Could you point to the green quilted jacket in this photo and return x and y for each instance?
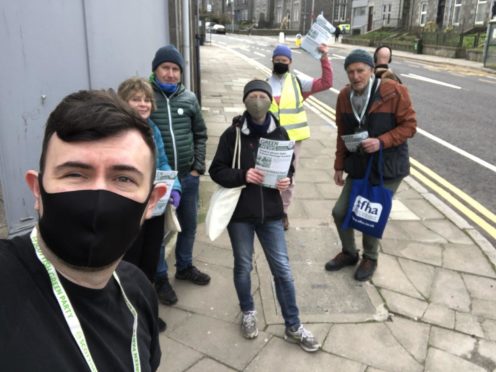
(183, 130)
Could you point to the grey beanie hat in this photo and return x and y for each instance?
(257, 85)
(168, 53)
(359, 55)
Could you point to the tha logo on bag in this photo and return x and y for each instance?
(367, 210)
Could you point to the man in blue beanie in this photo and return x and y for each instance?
(289, 92)
(179, 118)
(382, 109)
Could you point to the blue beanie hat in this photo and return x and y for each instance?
(359, 55)
(168, 53)
(282, 50)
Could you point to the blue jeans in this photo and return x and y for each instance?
(187, 214)
(271, 237)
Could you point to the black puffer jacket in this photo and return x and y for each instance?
(183, 130)
(257, 203)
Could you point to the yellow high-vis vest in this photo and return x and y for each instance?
(290, 111)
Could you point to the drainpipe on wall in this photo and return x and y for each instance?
(186, 46)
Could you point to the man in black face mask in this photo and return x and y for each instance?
(68, 302)
(289, 92)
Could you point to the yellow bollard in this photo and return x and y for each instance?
(298, 40)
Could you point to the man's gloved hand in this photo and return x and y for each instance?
(175, 198)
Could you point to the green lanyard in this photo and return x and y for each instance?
(71, 317)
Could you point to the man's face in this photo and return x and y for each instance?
(121, 164)
(359, 75)
(281, 59)
(168, 72)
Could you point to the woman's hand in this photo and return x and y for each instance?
(283, 183)
(254, 176)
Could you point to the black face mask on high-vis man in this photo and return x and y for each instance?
(89, 228)
(280, 68)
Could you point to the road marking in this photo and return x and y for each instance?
(487, 81)
(464, 153)
(455, 190)
(259, 54)
(337, 56)
(428, 80)
(295, 51)
(455, 203)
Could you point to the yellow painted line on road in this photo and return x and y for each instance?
(322, 107)
(491, 230)
(455, 190)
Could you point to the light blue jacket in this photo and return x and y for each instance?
(162, 161)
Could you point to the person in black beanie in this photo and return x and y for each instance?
(259, 211)
(383, 109)
(179, 118)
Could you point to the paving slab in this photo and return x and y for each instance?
(412, 231)
(321, 296)
(404, 305)
(484, 308)
(208, 364)
(220, 340)
(453, 342)
(372, 344)
(176, 357)
(441, 361)
(487, 350)
(449, 231)
(468, 259)
(399, 211)
(390, 275)
(468, 324)
(282, 356)
(428, 211)
(449, 290)
(439, 315)
(412, 335)
(420, 275)
(489, 327)
(431, 254)
(480, 287)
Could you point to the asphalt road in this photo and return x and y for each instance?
(456, 113)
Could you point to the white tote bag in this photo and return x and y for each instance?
(224, 200)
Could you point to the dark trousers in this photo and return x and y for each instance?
(145, 251)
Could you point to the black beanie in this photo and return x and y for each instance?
(358, 55)
(257, 85)
(168, 53)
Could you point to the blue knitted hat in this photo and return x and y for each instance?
(359, 55)
(282, 50)
(168, 53)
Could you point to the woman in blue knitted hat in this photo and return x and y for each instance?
(289, 92)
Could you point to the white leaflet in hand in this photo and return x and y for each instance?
(320, 33)
(167, 177)
(352, 141)
(273, 159)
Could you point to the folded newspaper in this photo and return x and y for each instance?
(274, 158)
(352, 141)
(320, 33)
(167, 177)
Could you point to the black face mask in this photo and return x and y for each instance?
(281, 68)
(89, 228)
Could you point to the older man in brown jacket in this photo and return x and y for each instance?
(382, 109)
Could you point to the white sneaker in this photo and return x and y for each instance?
(249, 324)
(303, 337)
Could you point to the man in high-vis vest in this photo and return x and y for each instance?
(289, 92)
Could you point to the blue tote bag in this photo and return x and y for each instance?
(369, 205)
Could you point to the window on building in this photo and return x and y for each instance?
(359, 12)
(340, 11)
(457, 12)
(423, 14)
(481, 12)
(386, 14)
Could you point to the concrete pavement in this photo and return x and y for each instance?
(431, 305)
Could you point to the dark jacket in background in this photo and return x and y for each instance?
(182, 127)
(257, 203)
